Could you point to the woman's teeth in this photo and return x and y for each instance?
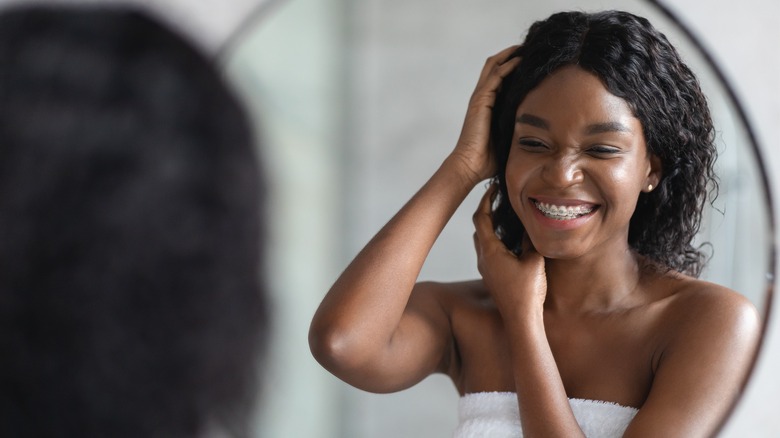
(562, 212)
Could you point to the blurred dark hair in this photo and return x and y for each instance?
(638, 64)
(130, 302)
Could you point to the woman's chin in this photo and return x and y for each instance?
(560, 250)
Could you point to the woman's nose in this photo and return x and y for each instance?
(562, 171)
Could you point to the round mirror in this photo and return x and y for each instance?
(356, 104)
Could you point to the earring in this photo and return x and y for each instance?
(649, 187)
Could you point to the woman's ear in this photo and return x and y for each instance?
(654, 175)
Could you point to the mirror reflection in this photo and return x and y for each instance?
(360, 109)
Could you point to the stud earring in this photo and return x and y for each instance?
(649, 187)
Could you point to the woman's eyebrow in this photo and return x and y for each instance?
(599, 128)
(595, 128)
(529, 119)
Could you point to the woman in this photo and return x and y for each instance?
(600, 144)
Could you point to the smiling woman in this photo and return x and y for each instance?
(361, 103)
(597, 146)
(587, 274)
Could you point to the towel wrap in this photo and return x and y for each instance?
(496, 415)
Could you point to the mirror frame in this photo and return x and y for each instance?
(761, 164)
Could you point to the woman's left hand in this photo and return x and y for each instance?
(518, 284)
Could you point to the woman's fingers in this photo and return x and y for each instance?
(473, 152)
(497, 67)
(505, 54)
(499, 60)
(484, 235)
(484, 209)
(483, 220)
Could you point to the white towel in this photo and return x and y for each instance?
(496, 415)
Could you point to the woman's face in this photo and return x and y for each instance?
(577, 165)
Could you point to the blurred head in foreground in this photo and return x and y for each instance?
(129, 232)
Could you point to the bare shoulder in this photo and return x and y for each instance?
(709, 335)
(698, 301)
(704, 313)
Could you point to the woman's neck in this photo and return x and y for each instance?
(593, 283)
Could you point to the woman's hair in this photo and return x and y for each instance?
(131, 302)
(637, 63)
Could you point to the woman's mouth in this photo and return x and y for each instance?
(563, 212)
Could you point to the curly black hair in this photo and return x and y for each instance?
(131, 302)
(637, 63)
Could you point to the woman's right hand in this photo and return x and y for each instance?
(473, 149)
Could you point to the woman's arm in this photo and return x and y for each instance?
(713, 334)
(518, 285)
(375, 329)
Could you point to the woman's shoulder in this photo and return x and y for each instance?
(695, 306)
(688, 291)
(709, 334)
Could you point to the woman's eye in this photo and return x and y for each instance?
(603, 151)
(531, 144)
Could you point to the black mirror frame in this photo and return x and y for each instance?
(757, 155)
